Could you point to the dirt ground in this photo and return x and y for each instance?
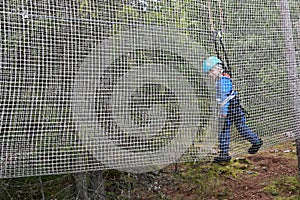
(269, 174)
(267, 167)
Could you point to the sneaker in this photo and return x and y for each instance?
(222, 159)
(255, 147)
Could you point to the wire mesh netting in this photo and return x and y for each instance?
(98, 84)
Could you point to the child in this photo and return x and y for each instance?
(230, 110)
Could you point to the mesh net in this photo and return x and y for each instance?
(98, 84)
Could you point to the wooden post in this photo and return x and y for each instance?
(291, 67)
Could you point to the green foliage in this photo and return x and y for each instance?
(205, 178)
(53, 41)
(254, 41)
(183, 14)
(285, 185)
(49, 187)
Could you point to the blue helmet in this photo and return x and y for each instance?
(210, 63)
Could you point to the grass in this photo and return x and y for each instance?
(286, 185)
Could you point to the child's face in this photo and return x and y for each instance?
(214, 72)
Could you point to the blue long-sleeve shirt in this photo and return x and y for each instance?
(224, 88)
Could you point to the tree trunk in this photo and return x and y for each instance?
(291, 67)
(298, 155)
(97, 185)
(298, 140)
(3, 190)
(90, 185)
(81, 186)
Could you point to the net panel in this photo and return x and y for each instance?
(93, 85)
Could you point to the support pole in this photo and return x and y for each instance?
(291, 67)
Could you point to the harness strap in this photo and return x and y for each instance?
(226, 65)
(231, 96)
(215, 33)
(228, 68)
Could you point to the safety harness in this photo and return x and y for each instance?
(231, 96)
(226, 66)
(227, 70)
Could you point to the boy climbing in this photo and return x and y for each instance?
(230, 110)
